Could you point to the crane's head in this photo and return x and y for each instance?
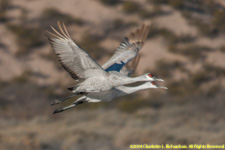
(152, 77)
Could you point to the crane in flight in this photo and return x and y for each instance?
(96, 80)
(116, 92)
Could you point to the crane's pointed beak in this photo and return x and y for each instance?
(163, 87)
(158, 79)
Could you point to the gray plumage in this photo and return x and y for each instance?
(129, 48)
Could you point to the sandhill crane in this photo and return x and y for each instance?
(127, 70)
(113, 93)
(109, 95)
(79, 64)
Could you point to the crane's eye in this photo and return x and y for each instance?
(150, 75)
(153, 83)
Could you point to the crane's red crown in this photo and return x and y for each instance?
(153, 83)
(150, 75)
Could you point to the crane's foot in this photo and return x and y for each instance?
(56, 101)
(58, 111)
(70, 106)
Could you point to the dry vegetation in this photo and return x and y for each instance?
(26, 38)
(4, 4)
(190, 111)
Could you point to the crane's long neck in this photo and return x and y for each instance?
(128, 90)
(129, 80)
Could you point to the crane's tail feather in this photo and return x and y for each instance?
(70, 88)
(73, 88)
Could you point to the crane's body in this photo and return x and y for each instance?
(109, 81)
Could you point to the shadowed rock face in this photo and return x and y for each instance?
(185, 47)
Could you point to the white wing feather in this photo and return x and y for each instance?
(74, 60)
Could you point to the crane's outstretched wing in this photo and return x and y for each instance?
(130, 67)
(127, 50)
(74, 60)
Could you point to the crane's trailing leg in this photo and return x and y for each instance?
(63, 109)
(70, 106)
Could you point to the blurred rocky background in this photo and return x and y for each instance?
(185, 47)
